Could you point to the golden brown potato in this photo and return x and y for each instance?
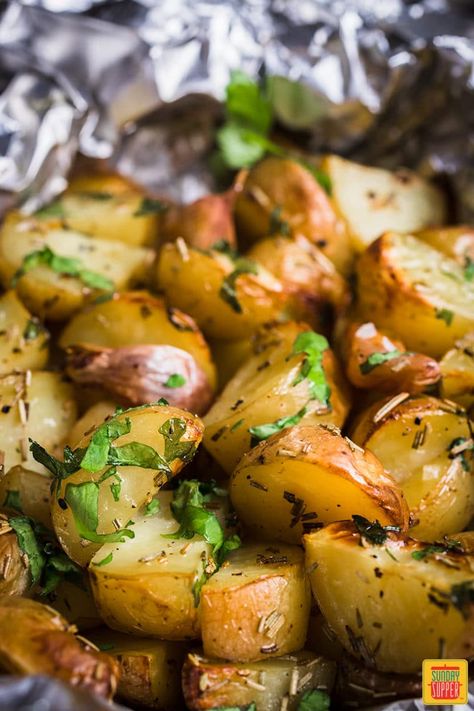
(56, 271)
(392, 601)
(457, 371)
(415, 292)
(135, 375)
(202, 223)
(374, 360)
(137, 318)
(23, 339)
(276, 388)
(36, 405)
(15, 577)
(150, 669)
(34, 639)
(424, 443)
(92, 418)
(456, 242)
(372, 200)
(28, 492)
(308, 476)
(110, 207)
(271, 685)
(229, 356)
(229, 296)
(73, 600)
(303, 269)
(94, 504)
(257, 605)
(282, 195)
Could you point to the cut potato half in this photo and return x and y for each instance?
(308, 476)
(390, 601)
(256, 605)
(271, 685)
(23, 339)
(424, 443)
(415, 292)
(372, 200)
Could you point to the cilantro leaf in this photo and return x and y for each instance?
(445, 315)
(245, 101)
(149, 206)
(83, 500)
(227, 291)
(69, 266)
(376, 359)
(262, 432)
(315, 700)
(12, 500)
(172, 431)
(23, 528)
(313, 346)
(372, 531)
(176, 380)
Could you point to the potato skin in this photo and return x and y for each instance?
(263, 390)
(305, 207)
(457, 370)
(257, 586)
(201, 223)
(402, 286)
(307, 476)
(365, 593)
(34, 493)
(456, 242)
(35, 639)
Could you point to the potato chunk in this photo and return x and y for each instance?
(415, 292)
(271, 685)
(457, 372)
(203, 222)
(372, 200)
(392, 602)
(308, 476)
(424, 443)
(27, 491)
(256, 605)
(273, 390)
(23, 339)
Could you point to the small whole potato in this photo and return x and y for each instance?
(202, 223)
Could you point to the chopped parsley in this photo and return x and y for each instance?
(148, 206)
(315, 700)
(172, 431)
(176, 380)
(436, 548)
(469, 269)
(108, 559)
(69, 266)
(228, 292)
(54, 209)
(445, 315)
(277, 225)
(12, 500)
(376, 359)
(152, 507)
(262, 432)
(313, 346)
(372, 531)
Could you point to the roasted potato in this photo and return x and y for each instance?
(372, 201)
(92, 418)
(257, 605)
(423, 442)
(308, 476)
(28, 492)
(229, 356)
(457, 371)
(36, 405)
(375, 361)
(282, 195)
(415, 292)
(93, 505)
(75, 602)
(273, 390)
(228, 295)
(271, 685)
(23, 338)
(148, 585)
(150, 669)
(34, 639)
(321, 639)
(37, 256)
(109, 207)
(137, 319)
(15, 576)
(456, 242)
(202, 223)
(391, 600)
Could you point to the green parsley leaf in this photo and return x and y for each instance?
(313, 346)
(12, 500)
(62, 265)
(376, 359)
(83, 500)
(436, 548)
(247, 102)
(108, 559)
(172, 431)
(54, 209)
(152, 507)
(116, 488)
(23, 528)
(224, 247)
(60, 470)
(176, 380)
(227, 292)
(277, 225)
(149, 206)
(105, 646)
(237, 424)
(469, 269)
(33, 329)
(97, 452)
(137, 454)
(314, 700)
(445, 315)
(372, 531)
(323, 178)
(58, 567)
(262, 432)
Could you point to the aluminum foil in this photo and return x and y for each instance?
(138, 83)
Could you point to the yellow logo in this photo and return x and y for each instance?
(445, 681)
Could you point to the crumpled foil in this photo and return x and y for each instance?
(138, 83)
